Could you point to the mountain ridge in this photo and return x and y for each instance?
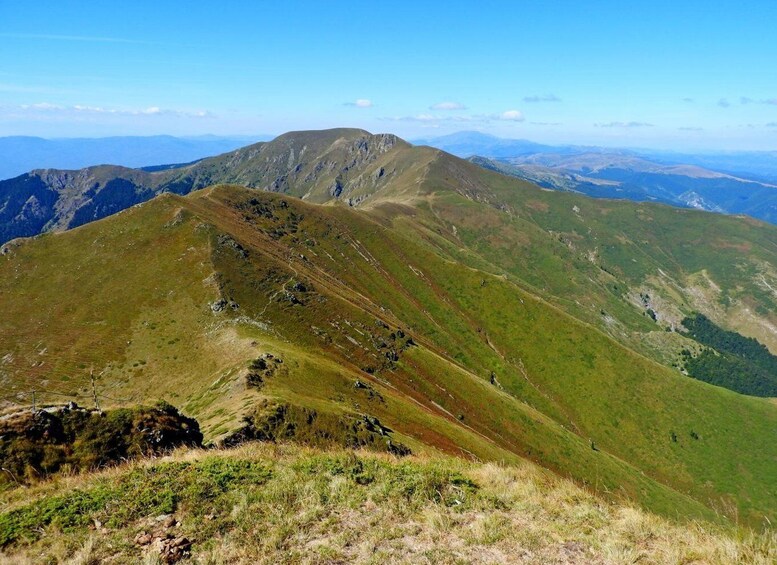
(228, 213)
(51, 199)
(324, 288)
(726, 183)
(352, 174)
(467, 311)
(761, 164)
(633, 178)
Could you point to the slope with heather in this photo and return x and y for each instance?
(175, 298)
(619, 259)
(611, 263)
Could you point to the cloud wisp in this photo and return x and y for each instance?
(24, 89)
(432, 119)
(745, 100)
(447, 106)
(46, 108)
(360, 103)
(80, 38)
(544, 98)
(624, 125)
(435, 120)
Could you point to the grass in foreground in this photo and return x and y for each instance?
(267, 503)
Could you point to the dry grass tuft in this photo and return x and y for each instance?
(312, 506)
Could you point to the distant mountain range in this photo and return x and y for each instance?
(733, 183)
(20, 154)
(755, 165)
(469, 143)
(59, 197)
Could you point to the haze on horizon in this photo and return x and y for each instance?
(690, 77)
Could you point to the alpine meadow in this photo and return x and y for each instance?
(340, 346)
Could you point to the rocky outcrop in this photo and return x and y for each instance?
(165, 541)
(35, 444)
(288, 422)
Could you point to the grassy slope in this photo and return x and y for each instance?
(636, 244)
(561, 384)
(438, 374)
(282, 504)
(592, 255)
(646, 402)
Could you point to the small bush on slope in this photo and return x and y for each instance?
(34, 445)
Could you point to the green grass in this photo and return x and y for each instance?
(324, 289)
(267, 503)
(144, 491)
(573, 250)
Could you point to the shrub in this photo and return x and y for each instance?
(35, 445)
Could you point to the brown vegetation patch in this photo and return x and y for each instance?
(743, 247)
(537, 205)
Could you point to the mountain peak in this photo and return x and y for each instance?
(335, 134)
(341, 164)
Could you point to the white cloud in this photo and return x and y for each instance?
(448, 106)
(429, 119)
(432, 118)
(511, 116)
(624, 125)
(543, 98)
(41, 106)
(94, 109)
(83, 109)
(360, 103)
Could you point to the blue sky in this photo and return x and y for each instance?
(676, 75)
